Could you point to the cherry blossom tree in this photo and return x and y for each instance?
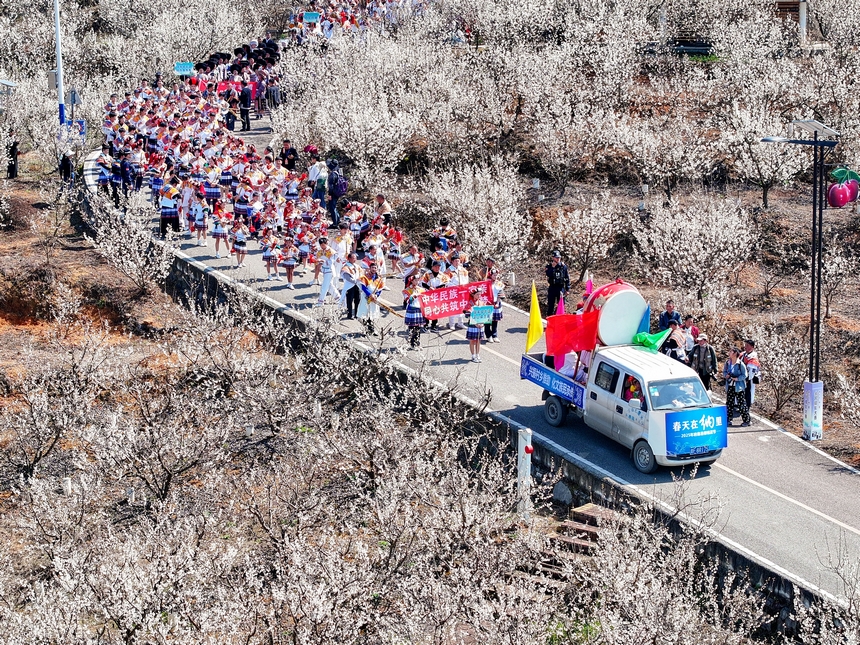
(584, 234)
(784, 353)
(487, 203)
(839, 270)
(697, 245)
(125, 240)
(763, 164)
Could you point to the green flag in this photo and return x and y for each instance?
(651, 342)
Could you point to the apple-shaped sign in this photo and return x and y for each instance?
(529, 449)
(838, 195)
(845, 189)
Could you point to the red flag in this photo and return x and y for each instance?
(571, 333)
(559, 311)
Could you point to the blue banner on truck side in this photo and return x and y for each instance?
(696, 432)
(552, 381)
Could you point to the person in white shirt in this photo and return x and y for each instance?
(326, 261)
(457, 276)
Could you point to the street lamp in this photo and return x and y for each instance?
(823, 139)
(60, 89)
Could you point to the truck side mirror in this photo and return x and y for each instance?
(639, 403)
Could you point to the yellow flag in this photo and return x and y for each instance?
(535, 330)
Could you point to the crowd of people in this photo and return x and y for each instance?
(288, 208)
(740, 373)
(292, 206)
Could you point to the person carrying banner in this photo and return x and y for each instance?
(457, 276)
(475, 331)
(433, 278)
(415, 320)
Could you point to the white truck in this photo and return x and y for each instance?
(648, 402)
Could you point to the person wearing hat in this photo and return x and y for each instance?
(218, 233)
(198, 214)
(239, 235)
(168, 206)
(270, 244)
(703, 360)
(371, 285)
(558, 281)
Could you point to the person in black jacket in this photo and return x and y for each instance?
(558, 278)
(127, 172)
(245, 102)
(334, 173)
(12, 168)
(288, 155)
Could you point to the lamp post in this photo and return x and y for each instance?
(60, 90)
(823, 139)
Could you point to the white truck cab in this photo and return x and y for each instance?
(646, 401)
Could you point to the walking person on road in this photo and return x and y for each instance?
(475, 331)
(736, 384)
(326, 261)
(245, 103)
(414, 318)
(558, 279)
(703, 360)
(351, 295)
(750, 359)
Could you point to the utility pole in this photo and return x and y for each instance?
(801, 21)
(60, 90)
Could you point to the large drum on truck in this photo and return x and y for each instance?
(621, 308)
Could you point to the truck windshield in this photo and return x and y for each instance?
(677, 394)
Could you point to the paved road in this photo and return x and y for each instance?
(784, 503)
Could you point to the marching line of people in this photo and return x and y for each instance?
(294, 216)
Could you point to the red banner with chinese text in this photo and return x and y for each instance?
(223, 85)
(451, 301)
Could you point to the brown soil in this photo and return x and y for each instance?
(30, 280)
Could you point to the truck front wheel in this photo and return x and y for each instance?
(554, 411)
(643, 457)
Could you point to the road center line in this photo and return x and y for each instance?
(824, 516)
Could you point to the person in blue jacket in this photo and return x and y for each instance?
(736, 381)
